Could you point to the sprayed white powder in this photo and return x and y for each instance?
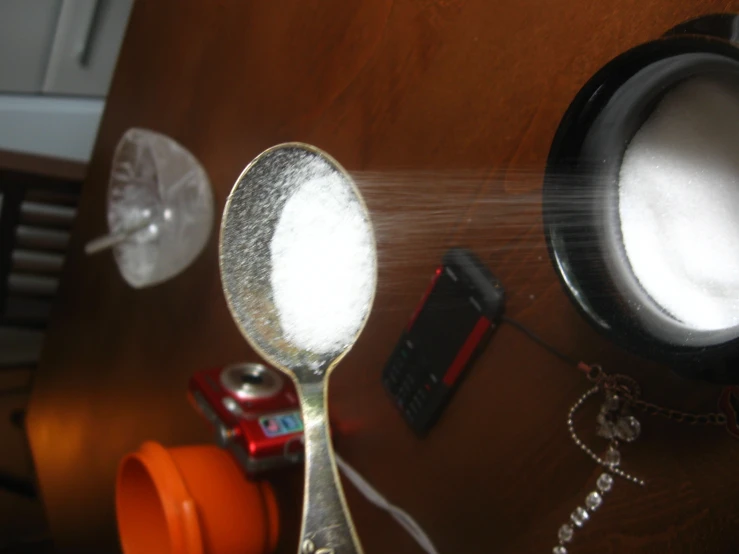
(323, 263)
(679, 204)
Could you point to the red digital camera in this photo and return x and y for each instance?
(255, 413)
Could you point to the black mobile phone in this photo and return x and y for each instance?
(454, 321)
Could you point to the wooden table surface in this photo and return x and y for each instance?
(419, 90)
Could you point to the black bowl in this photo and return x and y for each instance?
(580, 195)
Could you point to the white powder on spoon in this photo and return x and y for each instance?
(679, 204)
(323, 263)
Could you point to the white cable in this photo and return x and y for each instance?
(400, 515)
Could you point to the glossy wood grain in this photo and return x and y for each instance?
(382, 85)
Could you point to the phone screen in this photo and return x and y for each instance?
(445, 321)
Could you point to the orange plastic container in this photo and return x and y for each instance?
(192, 500)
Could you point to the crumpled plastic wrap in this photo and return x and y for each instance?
(155, 178)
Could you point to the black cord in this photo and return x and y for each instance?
(540, 341)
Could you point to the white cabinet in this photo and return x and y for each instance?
(27, 29)
(88, 36)
(57, 58)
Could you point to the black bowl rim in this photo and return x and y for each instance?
(586, 105)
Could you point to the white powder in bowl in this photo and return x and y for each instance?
(679, 204)
(323, 263)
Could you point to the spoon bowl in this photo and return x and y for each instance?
(251, 220)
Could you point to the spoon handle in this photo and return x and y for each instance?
(327, 525)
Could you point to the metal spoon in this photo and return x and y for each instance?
(249, 222)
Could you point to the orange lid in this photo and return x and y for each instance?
(155, 512)
(192, 500)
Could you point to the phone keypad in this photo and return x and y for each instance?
(408, 379)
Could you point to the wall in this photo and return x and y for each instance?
(20, 518)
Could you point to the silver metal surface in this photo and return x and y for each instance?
(224, 435)
(233, 406)
(251, 381)
(250, 218)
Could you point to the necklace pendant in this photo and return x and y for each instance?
(614, 421)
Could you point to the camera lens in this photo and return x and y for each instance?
(251, 379)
